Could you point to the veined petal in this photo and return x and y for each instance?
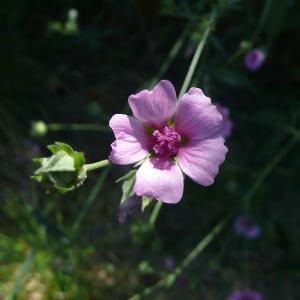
(132, 141)
(154, 107)
(160, 178)
(200, 160)
(196, 117)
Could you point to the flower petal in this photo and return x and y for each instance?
(227, 123)
(200, 160)
(160, 178)
(132, 141)
(154, 107)
(196, 117)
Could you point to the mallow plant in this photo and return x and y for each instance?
(164, 140)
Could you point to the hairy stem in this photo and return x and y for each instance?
(97, 165)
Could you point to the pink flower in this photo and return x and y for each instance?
(227, 123)
(170, 139)
(254, 59)
(245, 226)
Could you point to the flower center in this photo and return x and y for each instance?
(166, 141)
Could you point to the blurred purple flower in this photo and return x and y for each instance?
(227, 123)
(245, 226)
(129, 207)
(254, 59)
(169, 264)
(245, 295)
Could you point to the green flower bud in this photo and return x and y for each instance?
(39, 128)
(64, 168)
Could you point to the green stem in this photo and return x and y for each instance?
(99, 183)
(170, 279)
(97, 165)
(21, 276)
(184, 88)
(155, 213)
(263, 17)
(267, 170)
(90, 200)
(199, 248)
(77, 127)
(172, 54)
(198, 53)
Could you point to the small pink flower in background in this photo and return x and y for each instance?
(245, 226)
(227, 123)
(255, 59)
(171, 139)
(245, 295)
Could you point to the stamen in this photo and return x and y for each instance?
(167, 142)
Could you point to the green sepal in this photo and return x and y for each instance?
(146, 201)
(127, 176)
(79, 159)
(127, 188)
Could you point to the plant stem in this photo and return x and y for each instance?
(21, 276)
(97, 187)
(184, 87)
(77, 127)
(263, 18)
(155, 213)
(172, 54)
(170, 279)
(91, 198)
(198, 52)
(199, 248)
(97, 165)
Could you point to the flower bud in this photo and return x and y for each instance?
(38, 128)
(64, 168)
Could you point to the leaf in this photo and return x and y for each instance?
(21, 276)
(127, 189)
(126, 176)
(146, 201)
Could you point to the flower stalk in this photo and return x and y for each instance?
(185, 85)
(97, 165)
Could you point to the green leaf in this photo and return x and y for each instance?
(127, 188)
(127, 176)
(146, 201)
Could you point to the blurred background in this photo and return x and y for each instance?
(73, 64)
